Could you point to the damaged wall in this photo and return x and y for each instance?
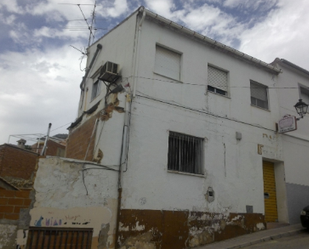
(17, 165)
(150, 229)
(14, 216)
(71, 194)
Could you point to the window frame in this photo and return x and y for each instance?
(192, 147)
(162, 71)
(256, 104)
(96, 89)
(214, 89)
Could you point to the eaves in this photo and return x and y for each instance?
(215, 44)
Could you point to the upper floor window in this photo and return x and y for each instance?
(185, 153)
(96, 89)
(259, 96)
(304, 94)
(217, 81)
(167, 63)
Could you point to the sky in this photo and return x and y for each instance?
(42, 46)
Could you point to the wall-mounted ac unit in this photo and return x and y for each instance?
(109, 72)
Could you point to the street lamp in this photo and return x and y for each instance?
(301, 108)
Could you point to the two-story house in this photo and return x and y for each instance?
(175, 144)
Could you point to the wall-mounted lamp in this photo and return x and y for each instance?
(301, 108)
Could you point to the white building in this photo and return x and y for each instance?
(293, 84)
(191, 124)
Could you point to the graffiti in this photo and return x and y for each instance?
(74, 217)
(68, 220)
(38, 223)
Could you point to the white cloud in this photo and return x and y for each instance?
(161, 7)
(11, 6)
(284, 34)
(32, 94)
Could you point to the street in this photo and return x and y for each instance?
(298, 241)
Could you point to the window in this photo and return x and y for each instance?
(185, 153)
(304, 94)
(217, 81)
(258, 95)
(167, 63)
(96, 89)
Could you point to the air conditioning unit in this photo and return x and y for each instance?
(109, 72)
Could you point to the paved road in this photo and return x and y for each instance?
(298, 241)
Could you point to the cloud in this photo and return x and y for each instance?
(40, 88)
(161, 7)
(284, 33)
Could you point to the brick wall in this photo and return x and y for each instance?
(17, 162)
(52, 148)
(12, 201)
(78, 141)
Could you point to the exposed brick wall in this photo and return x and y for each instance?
(17, 162)
(51, 148)
(12, 201)
(78, 141)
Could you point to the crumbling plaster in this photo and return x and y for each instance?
(64, 199)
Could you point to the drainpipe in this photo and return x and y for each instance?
(123, 159)
(99, 47)
(126, 126)
(136, 59)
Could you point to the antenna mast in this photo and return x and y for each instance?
(90, 27)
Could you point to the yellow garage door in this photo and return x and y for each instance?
(270, 200)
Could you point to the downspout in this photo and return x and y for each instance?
(99, 47)
(142, 9)
(126, 126)
(123, 159)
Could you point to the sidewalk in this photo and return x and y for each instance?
(254, 238)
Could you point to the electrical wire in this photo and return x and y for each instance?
(200, 111)
(195, 84)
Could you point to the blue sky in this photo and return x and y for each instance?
(41, 71)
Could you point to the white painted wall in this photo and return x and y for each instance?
(296, 143)
(118, 47)
(62, 200)
(233, 168)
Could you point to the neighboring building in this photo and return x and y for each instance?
(17, 167)
(293, 84)
(17, 164)
(175, 144)
(55, 145)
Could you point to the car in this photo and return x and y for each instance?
(304, 217)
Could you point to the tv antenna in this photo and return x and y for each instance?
(90, 25)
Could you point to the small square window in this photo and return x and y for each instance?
(96, 89)
(185, 153)
(259, 95)
(217, 81)
(167, 63)
(304, 94)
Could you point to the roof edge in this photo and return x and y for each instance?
(292, 65)
(210, 41)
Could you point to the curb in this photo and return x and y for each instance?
(264, 239)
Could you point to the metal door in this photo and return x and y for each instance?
(270, 199)
(59, 238)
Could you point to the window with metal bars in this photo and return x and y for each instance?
(259, 95)
(167, 63)
(185, 153)
(217, 81)
(59, 238)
